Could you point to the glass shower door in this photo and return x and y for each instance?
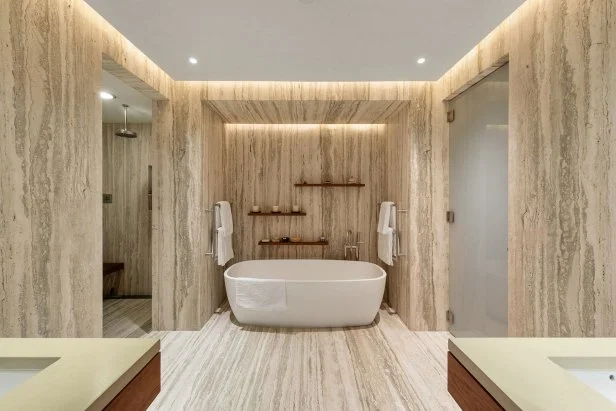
(478, 176)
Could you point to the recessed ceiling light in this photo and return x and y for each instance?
(105, 95)
(193, 60)
(421, 60)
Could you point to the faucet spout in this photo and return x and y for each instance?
(347, 245)
(352, 247)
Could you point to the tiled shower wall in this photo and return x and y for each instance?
(127, 220)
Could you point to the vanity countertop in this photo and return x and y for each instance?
(87, 375)
(520, 374)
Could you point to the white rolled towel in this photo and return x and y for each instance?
(385, 244)
(225, 221)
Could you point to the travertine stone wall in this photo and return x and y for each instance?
(265, 161)
(51, 162)
(416, 163)
(562, 196)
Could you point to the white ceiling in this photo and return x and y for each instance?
(140, 110)
(305, 40)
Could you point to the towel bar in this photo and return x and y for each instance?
(398, 211)
(212, 251)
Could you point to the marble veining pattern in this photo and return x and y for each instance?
(561, 154)
(265, 161)
(187, 179)
(306, 112)
(136, 83)
(562, 232)
(561, 54)
(418, 280)
(227, 366)
(307, 91)
(50, 161)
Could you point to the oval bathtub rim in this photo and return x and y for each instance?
(381, 277)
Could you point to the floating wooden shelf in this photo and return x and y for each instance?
(301, 213)
(296, 243)
(330, 185)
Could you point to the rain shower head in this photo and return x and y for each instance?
(125, 132)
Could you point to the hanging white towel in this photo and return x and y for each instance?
(224, 231)
(384, 216)
(385, 246)
(226, 218)
(261, 294)
(386, 241)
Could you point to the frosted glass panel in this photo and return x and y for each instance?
(478, 197)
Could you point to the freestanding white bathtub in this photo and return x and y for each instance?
(319, 293)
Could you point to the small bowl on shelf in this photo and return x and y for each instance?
(275, 240)
(296, 239)
(265, 240)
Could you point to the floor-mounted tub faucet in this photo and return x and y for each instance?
(349, 247)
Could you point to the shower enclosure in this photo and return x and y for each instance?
(478, 208)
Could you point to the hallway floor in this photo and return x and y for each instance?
(127, 318)
(226, 366)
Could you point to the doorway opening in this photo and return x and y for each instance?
(127, 209)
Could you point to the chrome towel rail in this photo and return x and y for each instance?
(213, 231)
(398, 210)
(396, 232)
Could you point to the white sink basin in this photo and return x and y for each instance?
(597, 373)
(16, 371)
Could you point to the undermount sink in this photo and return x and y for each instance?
(599, 373)
(16, 371)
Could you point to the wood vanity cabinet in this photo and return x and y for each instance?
(466, 390)
(141, 391)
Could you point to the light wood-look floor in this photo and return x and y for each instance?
(227, 366)
(127, 318)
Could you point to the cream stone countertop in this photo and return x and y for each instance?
(87, 375)
(520, 375)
